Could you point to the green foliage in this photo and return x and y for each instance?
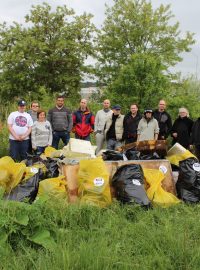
(52, 235)
(141, 81)
(132, 27)
(185, 93)
(47, 55)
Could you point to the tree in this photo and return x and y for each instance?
(47, 53)
(141, 81)
(132, 27)
(185, 93)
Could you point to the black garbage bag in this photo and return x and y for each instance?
(188, 184)
(128, 184)
(52, 167)
(152, 156)
(112, 155)
(132, 154)
(33, 159)
(26, 191)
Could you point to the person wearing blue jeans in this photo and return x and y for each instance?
(19, 149)
(61, 121)
(41, 135)
(60, 135)
(19, 126)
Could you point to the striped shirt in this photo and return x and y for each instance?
(41, 134)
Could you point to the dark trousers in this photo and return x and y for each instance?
(19, 149)
(39, 150)
(57, 135)
(131, 140)
(86, 138)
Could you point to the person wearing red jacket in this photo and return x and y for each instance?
(83, 122)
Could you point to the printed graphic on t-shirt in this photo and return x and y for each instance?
(21, 121)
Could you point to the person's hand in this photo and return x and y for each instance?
(162, 137)
(191, 147)
(174, 135)
(22, 137)
(17, 138)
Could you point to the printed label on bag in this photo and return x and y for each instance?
(136, 182)
(196, 167)
(34, 170)
(98, 182)
(163, 169)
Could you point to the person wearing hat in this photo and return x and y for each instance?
(19, 125)
(114, 128)
(148, 128)
(99, 124)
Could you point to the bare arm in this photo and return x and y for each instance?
(11, 130)
(26, 134)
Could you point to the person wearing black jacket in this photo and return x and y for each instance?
(131, 121)
(182, 128)
(164, 120)
(195, 140)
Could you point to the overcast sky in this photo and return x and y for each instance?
(186, 12)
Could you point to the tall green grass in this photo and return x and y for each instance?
(86, 237)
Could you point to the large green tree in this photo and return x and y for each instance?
(132, 27)
(141, 81)
(47, 53)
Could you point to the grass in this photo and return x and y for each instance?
(54, 235)
(85, 237)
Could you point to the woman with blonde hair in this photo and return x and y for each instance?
(182, 128)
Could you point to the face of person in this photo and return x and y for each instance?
(42, 117)
(134, 109)
(161, 106)
(106, 104)
(21, 109)
(148, 115)
(59, 102)
(116, 112)
(182, 114)
(35, 107)
(83, 104)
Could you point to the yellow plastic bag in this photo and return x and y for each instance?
(6, 162)
(178, 153)
(4, 178)
(51, 152)
(93, 179)
(15, 171)
(55, 187)
(155, 192)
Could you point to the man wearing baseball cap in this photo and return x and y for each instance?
(114, 128)
(19, 126)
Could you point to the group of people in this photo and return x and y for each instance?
(34, 130)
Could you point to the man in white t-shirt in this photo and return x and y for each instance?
(19, 126)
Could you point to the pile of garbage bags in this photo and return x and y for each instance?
(81, 177)
(21, 181)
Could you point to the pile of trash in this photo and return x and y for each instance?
(78, 176)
